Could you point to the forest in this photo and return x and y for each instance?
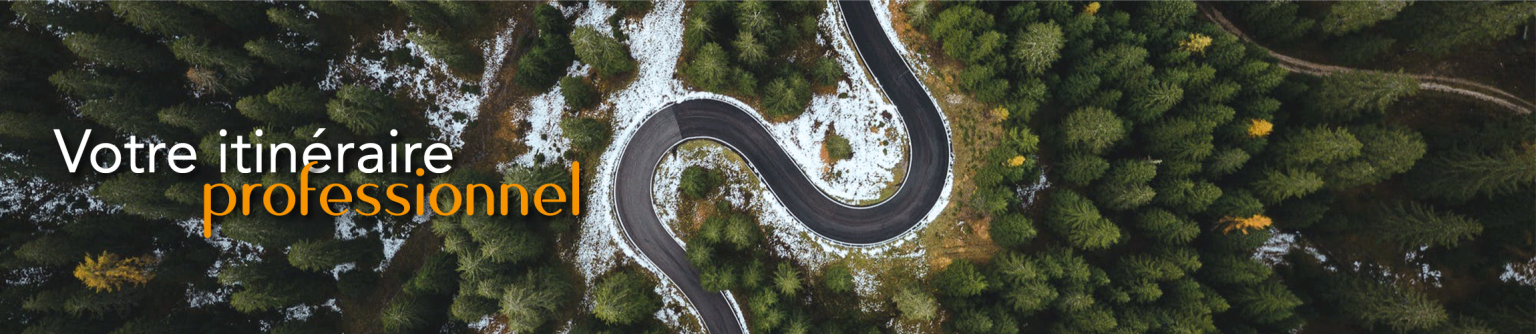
(1195, 184)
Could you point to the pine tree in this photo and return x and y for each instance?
(1266, 303)
(1278, 185)
(837, 279)
(468, 307)
(167, 19)
(363, 110)
(533, 300)
(710, 69)
(1092, 129)
(754, 16)
(230, 64)
(1384, 152)
(1081, 169)
(915, 304)
(296, 21)
(624, 298)
(116, 52)
(87, 85)
(280, 55)
(1038, 47)
(827, 71)
(1440, 29)
(320, 256)
(199, 118)
(587, 135)
(1317, 145)
(406, 313)
(786, 279)
(787, 96)
(1348, 95)
(579, 94)
(749, 50)
(1413, 224)
(1377, 303)
(1012, 230)
(1461, 175)
(458, 57)
(1149, 104)
(1074, 217)
(244, 16)
(124, 113)
(1166, 226)
(960, 279)
(604, 53)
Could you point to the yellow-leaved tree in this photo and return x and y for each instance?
(1259, 128)
(1196, 43)
(1092, 8)
(110, 272)
(1257, 222)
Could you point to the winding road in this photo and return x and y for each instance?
(1462, 87)
(929, 153)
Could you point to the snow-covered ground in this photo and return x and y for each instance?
(450, 106)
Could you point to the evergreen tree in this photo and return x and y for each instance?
(1440, 29)
(406, 313)
(960, 279)
(786, 279)
(116, 52)
(321, 256)
(363, 110)
(1345, 96)
(199, 118)
(458, 57)
(280, 55)
(1412, 224)
(435, 276)
(698, 182)
(787, 96)
(1377, 303)
(230, 65)
(1166, 226)
(295, 20)
(1075, 218)
(587, 135)
(749, 50)
(1092, 129)
(1012, 230)
(1462, 175)
(1317, 145)
(1278, 185)
(915, 304)
(837, 279)
(710, 70)
(827, 71)
(1038, 47)
(624, 298)
(1081, 169)
(1384, 152)
(604, 53)
(578, 93)
(1267, 302)
(1351, 16)
(167, 19)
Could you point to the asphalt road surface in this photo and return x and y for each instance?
(721, 122)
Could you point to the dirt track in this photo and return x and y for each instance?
(1456, 86)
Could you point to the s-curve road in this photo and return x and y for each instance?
(724, 123)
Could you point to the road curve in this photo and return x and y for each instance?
(928, 153)
(1462, 87)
